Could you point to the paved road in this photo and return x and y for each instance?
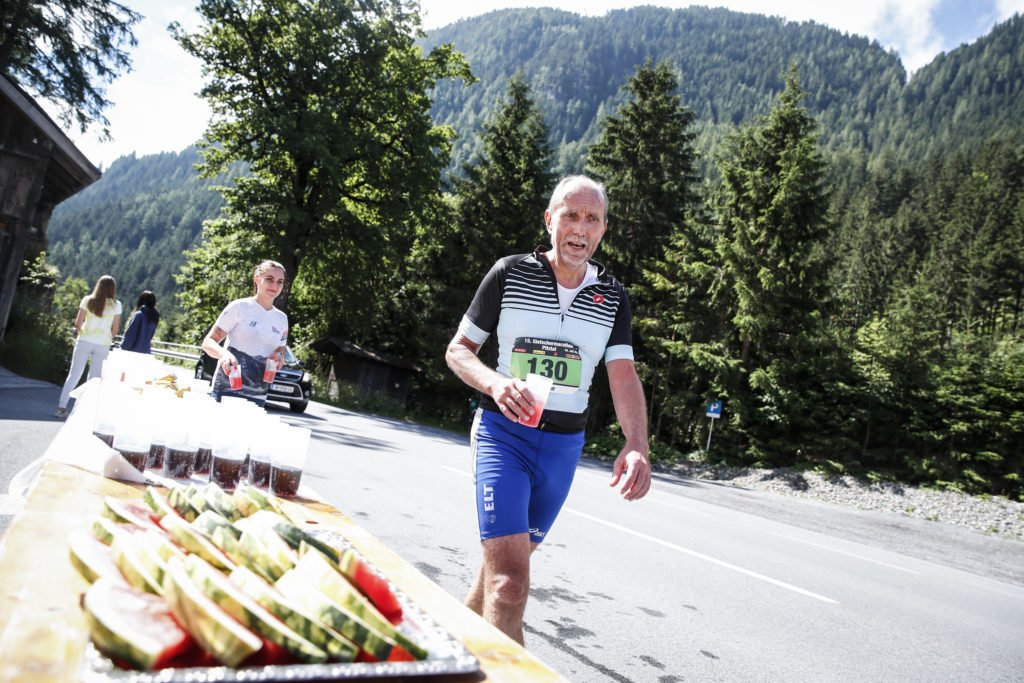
(697, 582)
(27, 426)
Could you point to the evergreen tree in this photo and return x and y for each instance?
(773, 225)
(497, 210)
(64, 50)
(501, 198)
(645, 158)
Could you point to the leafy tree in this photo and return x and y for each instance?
(63, 50)
(646, 159)
(773, 225)
(327, 102)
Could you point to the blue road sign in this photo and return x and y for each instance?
(714, 409)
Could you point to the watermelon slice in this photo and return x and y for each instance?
(92, 558)
(233, 600)
(318, 571)
(338, 647)
(300, 592)
(371, 584)
(123, 511)
(129, 556)
(195, 541)
(133, 627)
(215, 630)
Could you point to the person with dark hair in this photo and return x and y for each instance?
(556, 313)
(255, 331)
(99, 317)
(142, 325)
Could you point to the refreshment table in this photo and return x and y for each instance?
(43, 633)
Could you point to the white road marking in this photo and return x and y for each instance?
(686, 551)
(706, 558)
(843, 552)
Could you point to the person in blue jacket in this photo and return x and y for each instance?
(142, 325)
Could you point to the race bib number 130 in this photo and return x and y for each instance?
(558, 360)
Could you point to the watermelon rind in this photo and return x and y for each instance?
(210, 520)
(120, 639)
(246, 610)
(213, 628)
(178, 499)
(127, 554)
(292, 534)
(259, 558)
(92, 558)
(220, 502)
(157, 502)
(276, 547)
(195, 541)
(298, 590)
(338, 647)
(317, 570)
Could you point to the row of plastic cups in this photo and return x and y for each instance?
(199, 436)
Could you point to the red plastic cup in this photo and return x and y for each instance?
(539, 387)
(236, 377)
(270, 370)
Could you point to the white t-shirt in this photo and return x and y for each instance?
(566, 295)
(96, 329)
(253, 329)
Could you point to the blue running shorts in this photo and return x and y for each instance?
(522, 475)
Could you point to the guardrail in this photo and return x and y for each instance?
(170, 349)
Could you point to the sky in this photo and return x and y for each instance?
(156, 109)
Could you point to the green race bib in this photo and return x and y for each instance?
(558, 360)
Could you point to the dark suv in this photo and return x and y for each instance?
(291, 385)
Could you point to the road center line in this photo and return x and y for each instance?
(843, 552)
(702, 556)
(685, 551)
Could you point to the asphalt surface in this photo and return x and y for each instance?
(697, 582)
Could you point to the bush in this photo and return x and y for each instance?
(40, 330)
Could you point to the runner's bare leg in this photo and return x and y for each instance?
(502, 586)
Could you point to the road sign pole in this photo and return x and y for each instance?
(707, 449)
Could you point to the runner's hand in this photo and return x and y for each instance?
(637, 470)
(227, 360)
(513, 398)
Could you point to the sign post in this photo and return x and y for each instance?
(714, 411)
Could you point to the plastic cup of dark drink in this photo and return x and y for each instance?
(539, 387)
(227, 460)
(259, 472)
(132, 440)
(270, 370)
(155, 461)
(288, 460)
(204, 457)
(178, 462)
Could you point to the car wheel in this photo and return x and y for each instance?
(299, 407)
(199, 371)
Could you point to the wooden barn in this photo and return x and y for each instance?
(370, 371)
(39, 168)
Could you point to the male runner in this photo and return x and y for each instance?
(557, 313)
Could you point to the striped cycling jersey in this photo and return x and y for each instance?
(518, 299)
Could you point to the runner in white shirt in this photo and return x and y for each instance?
(255, 331)
(99, 317)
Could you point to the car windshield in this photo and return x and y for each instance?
(289, 357)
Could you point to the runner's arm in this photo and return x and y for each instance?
(507, 392)
(631, 411)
